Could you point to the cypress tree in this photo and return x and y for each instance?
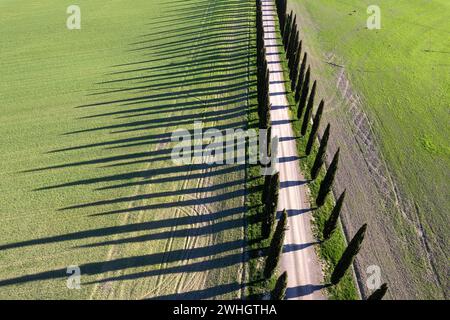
(331, 223)
(276, 246)
(264, 119)
(327, 182)
(320, 157)
(269, 141)
(301, 77)
(315, 128)
(266, 188)
(288, 30)
(279, 292)
(270, 212)
(278, 4)
(259, 26)
(260, 60)
(294, 70)
(262, 66)
(262, 83)
(291, 36)
(272, 144)
(261, 51)
(260, 80)
(264, 77)
(274, 189)
(282, 15)
(304, 95)
(267, 114)
(308, 110)
(292, 51)
(258, 7)
(348, 256)
(379, 293)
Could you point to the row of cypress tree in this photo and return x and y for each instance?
(270, 201)
(262, 72)
(300, 85)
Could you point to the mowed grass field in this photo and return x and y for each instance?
(400, 77)
(86, 173)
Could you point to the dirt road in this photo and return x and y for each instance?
(299, 258)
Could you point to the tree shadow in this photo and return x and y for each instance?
(303, 290)
(294, 212)
(203, 294)
(198, 71)
(297, 247)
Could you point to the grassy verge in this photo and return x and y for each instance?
(331, 250)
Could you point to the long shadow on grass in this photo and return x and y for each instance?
(149, 260)
(203, 293)
(198, 70)
(130, 228)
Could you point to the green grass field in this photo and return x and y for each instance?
(401, 75)
(87, 115)
(86, 176)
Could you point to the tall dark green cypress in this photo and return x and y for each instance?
(264, 119)
(379, 293)
(294, 71)
(261, 81)
(283, 11)
(274, 189)
(266, 189)
(267, 115)
(348, 256)
(281, 8)
(291, 36)
(287, 33)
(292, 51)
(270, 200)
(320, 157)
(260, 59)
(304, 94)
(269, 141)
(269, 216)
(301, 77)
(315, 128)
(309, 108)
(259, 26)
(276, 246)
(331, 223)
(327, 182)
(279, 292)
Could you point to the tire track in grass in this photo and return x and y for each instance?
(184, 281)
(189, 244)
(199, 279)
(127, 216)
